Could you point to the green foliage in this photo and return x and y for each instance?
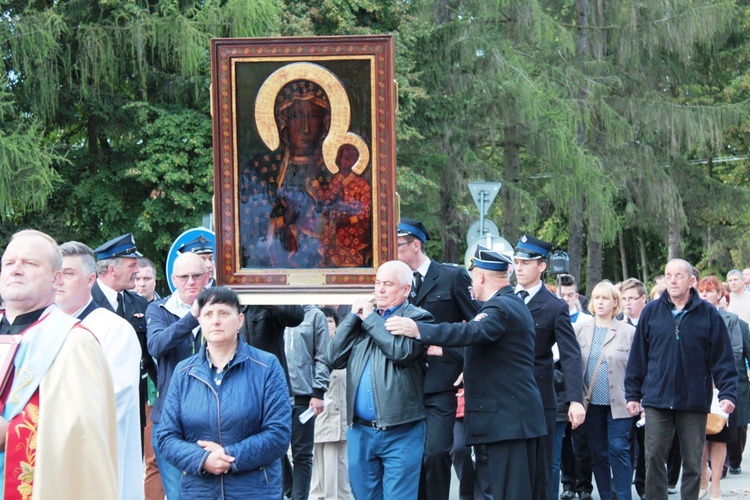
(27, 176)
(105, 117)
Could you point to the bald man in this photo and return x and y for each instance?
(58, 428)
(680, 345)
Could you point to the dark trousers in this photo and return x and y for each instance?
(661, 426)
(297, 477)
(577, 473)
(544, 457)
(473, 475)
(440, 418)
(674, 462)
(640, 462)
(513, 469)
(567, 461)
(736, 447)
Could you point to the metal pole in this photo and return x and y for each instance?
(481, 213)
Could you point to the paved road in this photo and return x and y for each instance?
(732, 487)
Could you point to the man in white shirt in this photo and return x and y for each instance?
(122, 350)
(552, 324)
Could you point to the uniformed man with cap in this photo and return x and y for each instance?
(552, 325)
(503, 407)
(116, 269)
(203, 247)
(444, 290)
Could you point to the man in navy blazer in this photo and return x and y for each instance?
(444, 290)
(116, 269)
(552, 325)
(503, 408)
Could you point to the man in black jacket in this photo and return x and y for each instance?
(503, 407)
(552, 325)
(444, 291)
(116, 269)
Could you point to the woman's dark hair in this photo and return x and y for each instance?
(330, 312)
(218, 295)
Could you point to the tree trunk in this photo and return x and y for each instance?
(575, 239)
(593, 265)
(623, 256)
(511, 174)
(644, 259)
(450, 227)
(674, 237)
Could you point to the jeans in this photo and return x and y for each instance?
(609, 440)
(385, 464)
(171, 476)
(661, 426)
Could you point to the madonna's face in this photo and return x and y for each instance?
(305, 126)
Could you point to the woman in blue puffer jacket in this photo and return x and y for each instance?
(226, 420)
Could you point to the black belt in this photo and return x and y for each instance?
(371, 423)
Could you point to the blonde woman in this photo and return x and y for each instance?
(605, 347)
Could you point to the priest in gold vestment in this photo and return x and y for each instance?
(58, 427)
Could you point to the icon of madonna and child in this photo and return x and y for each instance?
(306, 202)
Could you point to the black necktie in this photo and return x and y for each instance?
(523, 294)
(417, 284)
(120, 311)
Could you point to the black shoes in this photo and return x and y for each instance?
(735, 470)
(570, 495)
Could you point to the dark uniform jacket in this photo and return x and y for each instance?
(552, 324)
(397, 365)
(446, 294)
(134, 307)
(502, 400)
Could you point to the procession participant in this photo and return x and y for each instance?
(680, 345)
(552, 325)
(384, 389)
(444, 290)
(122, 350)
(498, 377)
(58, 427)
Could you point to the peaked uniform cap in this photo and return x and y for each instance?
(122, 246)
(485, 258)
(530, 248)
(413, 227)
(199, 245)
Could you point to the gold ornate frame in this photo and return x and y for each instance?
(246, 76)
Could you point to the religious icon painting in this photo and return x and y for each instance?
(304, 163)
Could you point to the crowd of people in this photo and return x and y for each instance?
(527, 390)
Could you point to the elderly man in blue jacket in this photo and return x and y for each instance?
(680, 346)
(384, 389)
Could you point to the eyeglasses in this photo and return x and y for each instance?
(631, 299)
(404, 243)
(186, 277)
